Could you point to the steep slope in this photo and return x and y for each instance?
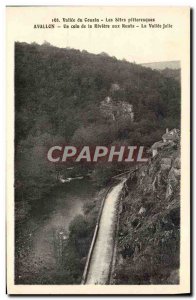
(149, 222)
(51, 83)
(59, 99)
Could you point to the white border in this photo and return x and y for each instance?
(3, 3)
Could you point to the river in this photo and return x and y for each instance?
(42, 234)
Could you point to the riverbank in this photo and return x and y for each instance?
(41, 238)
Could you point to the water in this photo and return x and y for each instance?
(42, 235)
(102, 254)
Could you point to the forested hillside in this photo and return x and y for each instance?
(175, 74)
(58, 96)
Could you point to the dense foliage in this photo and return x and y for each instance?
(58, 96)
(57, 100)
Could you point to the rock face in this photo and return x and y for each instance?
(149, 222)
(116, 110)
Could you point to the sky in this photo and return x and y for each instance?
(140, 45)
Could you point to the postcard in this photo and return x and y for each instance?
(98, 150)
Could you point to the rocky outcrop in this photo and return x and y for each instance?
(149, 222)
(116, 110)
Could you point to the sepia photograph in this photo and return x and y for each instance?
(98, 198)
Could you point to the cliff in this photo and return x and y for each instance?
(148, 237)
